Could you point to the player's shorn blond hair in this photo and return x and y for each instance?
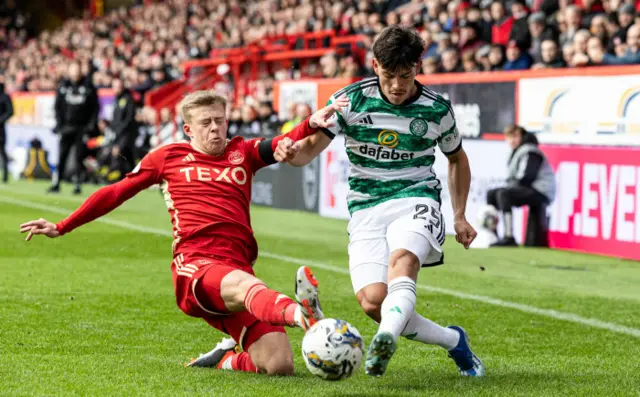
(198, 99)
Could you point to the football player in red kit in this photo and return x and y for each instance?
(207, 189)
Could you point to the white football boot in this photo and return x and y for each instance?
(309, 311)
(216, 356)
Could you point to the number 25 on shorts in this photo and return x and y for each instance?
(422, 211)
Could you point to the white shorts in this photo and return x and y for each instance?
(415, 224)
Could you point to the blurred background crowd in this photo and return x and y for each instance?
(144, 46)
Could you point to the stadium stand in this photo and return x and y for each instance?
(146, 45)
(163, 49)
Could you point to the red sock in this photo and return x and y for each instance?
(242, 362)
(270, 306)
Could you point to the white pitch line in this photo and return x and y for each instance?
(571, 317)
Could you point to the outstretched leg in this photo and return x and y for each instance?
(257, 319)
(240, 290)
(410, 247)
(261, 347)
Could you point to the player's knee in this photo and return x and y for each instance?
(371, 309)
(234, 287)
(279, 365)
(371, 298)
(272, 354)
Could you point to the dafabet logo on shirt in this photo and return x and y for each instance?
(388, 138)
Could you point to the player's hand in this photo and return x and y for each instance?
(41, 226)
(286, 150)
(322, 118)
(465, 233)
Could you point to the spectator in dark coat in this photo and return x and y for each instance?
(551, 57)
(539, 31)
(125, 128)
(516, 58)
(6, 111)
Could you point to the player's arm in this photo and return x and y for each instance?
(459, 182)
(307, 149)
(103, 201)
(282, 149)
(304, 151)
(459, 178)
(267, 147)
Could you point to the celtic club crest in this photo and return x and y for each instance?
(418, 127)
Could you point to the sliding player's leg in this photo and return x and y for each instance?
(240, 290)
(222, 289)
(234, 301)
(230, 298)
(260, 347)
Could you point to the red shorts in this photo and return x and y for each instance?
(197, 280)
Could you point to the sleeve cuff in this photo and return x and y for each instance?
(454, 151)
(60, 228)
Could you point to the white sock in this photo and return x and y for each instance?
(426, 331)
(398, 306)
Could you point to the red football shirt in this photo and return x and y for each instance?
(208, 197)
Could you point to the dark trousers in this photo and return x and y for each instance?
(126, 159)
(505, 198)
(3, 156)
(69, 141)
(517, 196)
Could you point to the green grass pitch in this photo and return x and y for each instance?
(94, 313)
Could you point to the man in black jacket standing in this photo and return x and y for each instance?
(76, 109)
(125, 127)
(6, 111)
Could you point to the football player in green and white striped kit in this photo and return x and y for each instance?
(392, 127)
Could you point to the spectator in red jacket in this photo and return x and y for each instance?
(501, 24)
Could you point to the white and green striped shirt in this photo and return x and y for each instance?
(391, 148)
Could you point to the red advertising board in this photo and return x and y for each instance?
(597, 205)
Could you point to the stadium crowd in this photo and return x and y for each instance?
(145, 46)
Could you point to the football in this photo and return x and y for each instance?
(488, 218)
(332, 349)
(487, 227)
